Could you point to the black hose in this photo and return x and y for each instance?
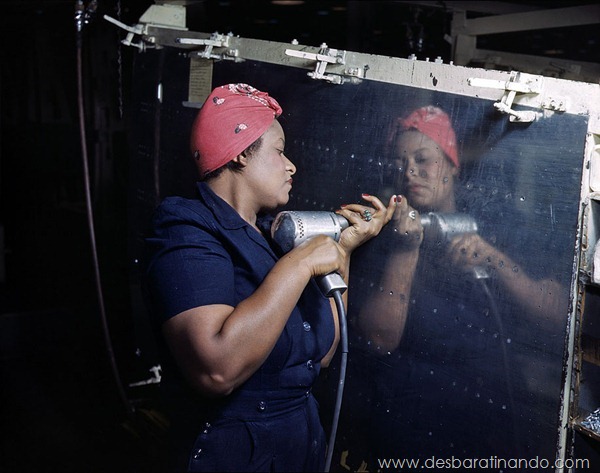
(90, 219)
(505, 358)
(339, 302)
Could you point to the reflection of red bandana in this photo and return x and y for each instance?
(434, 123)
(233, 117)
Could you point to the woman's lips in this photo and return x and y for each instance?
(415, 188)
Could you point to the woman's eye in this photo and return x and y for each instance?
(420, 159)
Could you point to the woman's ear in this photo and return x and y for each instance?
(241, 159)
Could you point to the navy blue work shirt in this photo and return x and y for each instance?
(202, 252)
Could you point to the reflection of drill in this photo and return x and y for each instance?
(440, 228)
(291, 228)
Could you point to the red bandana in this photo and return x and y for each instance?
(434, 123)
(233, 117)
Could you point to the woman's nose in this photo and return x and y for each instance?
(290, 166)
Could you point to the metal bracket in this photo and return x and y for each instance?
(517, 83)
(155, 379)
(138, 29)
(216, 40)
(324, 57)
(158, 16)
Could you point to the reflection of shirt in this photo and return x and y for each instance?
(448, 387)
(203, 252)
(451, 320)
(451, 387)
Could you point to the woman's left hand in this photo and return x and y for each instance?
(366, 221)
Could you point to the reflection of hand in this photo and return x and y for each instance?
(366, 222)
(469, 251)
(540, 299)
(406, 225)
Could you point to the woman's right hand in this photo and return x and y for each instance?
(319, 255)
(406, 225)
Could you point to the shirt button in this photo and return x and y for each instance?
(262, 405)
(309, 364)
(306, 326)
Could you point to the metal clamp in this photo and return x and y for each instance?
(216, 40)
(138, 29)
(324, 57)
(517, 83)
(158, 16)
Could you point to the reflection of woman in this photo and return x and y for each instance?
(425, 154)
(245, 331)
(443, 381)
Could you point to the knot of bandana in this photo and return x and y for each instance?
(435, 123)
(232, 118)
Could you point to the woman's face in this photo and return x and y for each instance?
(426, 175)
(269, 172)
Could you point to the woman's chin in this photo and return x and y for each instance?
(284, 200)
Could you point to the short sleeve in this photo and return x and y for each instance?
(188, 265)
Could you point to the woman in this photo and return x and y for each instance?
(246, 331)
(444, 381)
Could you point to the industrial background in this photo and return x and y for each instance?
(70, 358)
